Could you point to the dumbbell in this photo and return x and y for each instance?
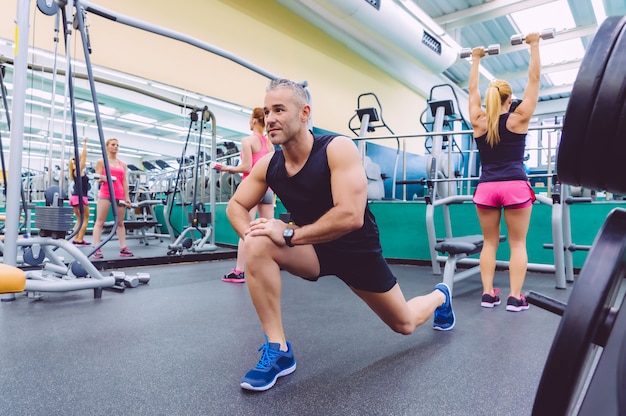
(100, 177)
(493, 49)
(122, 278)
(131, 280)
(144, 278)
(518, 39)
(215, 165)
(118, 286)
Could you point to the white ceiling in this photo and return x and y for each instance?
(458, 24)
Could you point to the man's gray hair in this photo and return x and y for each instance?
(298, 88)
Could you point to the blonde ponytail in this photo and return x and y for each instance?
(497, 93)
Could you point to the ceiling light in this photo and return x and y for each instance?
(84, 112)
(136, 123)
(563, 77)
(147, 136)
(559, 52)
(31, 115)
(163, 139)
(174, 90)
(121, 76)
(137, 117)
(44, 95)
(556, 14)
(38, 136)
(145, 153)
(102, 108)
(227, 105)
(111, 129)
(171, 127)
(126, 154)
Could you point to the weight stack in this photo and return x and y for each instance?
(199, 218)
(54, 221)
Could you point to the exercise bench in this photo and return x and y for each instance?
(458, 248)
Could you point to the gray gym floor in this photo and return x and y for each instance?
(180, 345)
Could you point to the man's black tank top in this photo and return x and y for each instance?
(307, 196)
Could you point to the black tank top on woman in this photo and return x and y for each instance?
(505, 160)
(85, 186)
(307, 196)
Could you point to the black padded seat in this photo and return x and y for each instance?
(467, 244)
(458, 248)
(139, 225)
(132, 225)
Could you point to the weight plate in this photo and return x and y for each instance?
(616, 180)
(602, 142)
(571, 154)
(31, 258)
(592, 297)
(78, 269)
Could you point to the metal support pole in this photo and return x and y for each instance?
(365, 121)
(17, 135)
(567, 235)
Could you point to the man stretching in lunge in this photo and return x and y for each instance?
(322, 183)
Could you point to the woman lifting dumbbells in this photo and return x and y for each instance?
(503, 185)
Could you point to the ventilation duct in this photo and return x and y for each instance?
(382, 26)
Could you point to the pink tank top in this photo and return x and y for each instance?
(259, 155)
(117, 172)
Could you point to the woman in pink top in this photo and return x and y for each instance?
(119, 175)
(253, 148)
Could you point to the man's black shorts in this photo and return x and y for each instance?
(364, 271)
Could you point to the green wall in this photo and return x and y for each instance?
(403, 230)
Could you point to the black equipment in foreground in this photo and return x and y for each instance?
(585, 372)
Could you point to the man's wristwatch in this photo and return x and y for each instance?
(288, 235)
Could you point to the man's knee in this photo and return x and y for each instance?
(260, 246)
(403, 327)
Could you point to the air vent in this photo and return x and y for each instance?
(374, 3)
(387, 35)
(432, 43)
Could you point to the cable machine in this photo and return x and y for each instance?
(200, 221)
(371, 118)
(51, 276)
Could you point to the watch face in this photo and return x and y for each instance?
(287, 234)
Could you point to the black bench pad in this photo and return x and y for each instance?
(468, 244)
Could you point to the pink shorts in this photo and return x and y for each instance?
(505, 194)
(74, 200)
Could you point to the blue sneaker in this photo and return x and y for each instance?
(444, 315)
(273, 364)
